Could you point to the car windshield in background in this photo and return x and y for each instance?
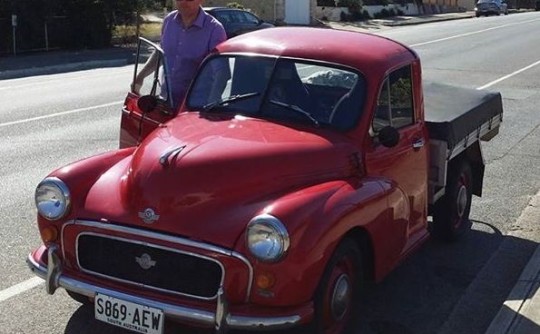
(279, 89)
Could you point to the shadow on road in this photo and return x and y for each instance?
(417, 298)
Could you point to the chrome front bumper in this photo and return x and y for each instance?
(221, 319)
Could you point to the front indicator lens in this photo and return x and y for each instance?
(52, 198)
(49, 234)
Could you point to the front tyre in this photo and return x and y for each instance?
(451, 212)
(338, 293)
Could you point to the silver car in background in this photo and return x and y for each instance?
(488, 7)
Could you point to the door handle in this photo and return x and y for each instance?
(418, 143)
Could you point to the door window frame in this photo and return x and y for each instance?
(386, 88)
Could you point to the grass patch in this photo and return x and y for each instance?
(126, 34)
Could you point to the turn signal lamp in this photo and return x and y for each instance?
(265, 281)
(49, 234)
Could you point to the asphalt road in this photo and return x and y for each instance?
(49, 121)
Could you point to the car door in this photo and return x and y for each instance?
(136, 124)
(405, 164)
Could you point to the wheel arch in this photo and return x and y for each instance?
(365, 243)
(474, 157)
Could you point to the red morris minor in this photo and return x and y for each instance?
(302, 164)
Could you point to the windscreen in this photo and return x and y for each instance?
(289, 90)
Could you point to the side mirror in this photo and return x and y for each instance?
(388, 136)
(147, 103)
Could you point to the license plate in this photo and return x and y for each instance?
(135, 317)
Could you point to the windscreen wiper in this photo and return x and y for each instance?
(297, 109)
(229, 99)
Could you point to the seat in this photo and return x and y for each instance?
(346, 111)
(287, 87)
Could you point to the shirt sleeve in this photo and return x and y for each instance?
(218, 36)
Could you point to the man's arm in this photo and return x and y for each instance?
(148, 68)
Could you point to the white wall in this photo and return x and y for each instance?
(297, 11)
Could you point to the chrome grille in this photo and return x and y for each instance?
(148, 265)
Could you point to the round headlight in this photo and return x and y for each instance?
(267, 238)
(52, 198)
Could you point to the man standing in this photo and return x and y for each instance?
(187, 37)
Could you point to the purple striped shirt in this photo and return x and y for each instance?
(185, 48)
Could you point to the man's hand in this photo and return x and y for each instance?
(136, 85)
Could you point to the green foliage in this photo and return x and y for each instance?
(235, 5)
(326, 3)
(400, 93)
(354, 5)
(70, 23)
(365, 15)
(377, 2)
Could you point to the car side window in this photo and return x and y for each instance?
(236, 17)
(395, 102)
(223, 17)
(249, 18)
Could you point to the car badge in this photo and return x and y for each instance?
(148, 216)
(145, 261)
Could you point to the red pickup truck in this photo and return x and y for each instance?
(303, 164)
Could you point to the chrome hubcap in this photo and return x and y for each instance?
(341, 297)
(462, 200)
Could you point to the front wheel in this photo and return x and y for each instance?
(451, 212)
(338, 293)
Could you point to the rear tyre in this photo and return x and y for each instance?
(451, 212)
(79, 298)
(338, 294)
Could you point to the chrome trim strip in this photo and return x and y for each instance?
(167, 238)
(175, 151)
(187, 314)
(222, 312)
(54, 271)
(222, 279)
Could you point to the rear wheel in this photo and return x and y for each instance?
(451, 212)
(337, 296)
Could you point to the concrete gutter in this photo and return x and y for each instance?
(520, 313)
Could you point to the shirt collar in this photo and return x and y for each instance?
(199, 21)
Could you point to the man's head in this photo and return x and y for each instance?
(188, 6)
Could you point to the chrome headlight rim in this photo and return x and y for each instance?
(280, 230)
(63, 191)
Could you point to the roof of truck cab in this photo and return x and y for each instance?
(358, 50)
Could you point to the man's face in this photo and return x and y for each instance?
(188, 6)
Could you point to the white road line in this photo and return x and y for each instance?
(471, 33)
(509, 76)
(59, 114)
(20, 288)
(48, 81)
